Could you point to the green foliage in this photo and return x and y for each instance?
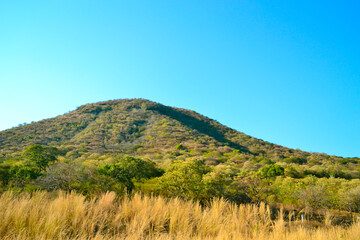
(91, 143)
(23, 174)
(313, 193)
(222, 182)
(292, 172)
(40, 156)
(271, 171)
(185, 179)
(179, 146)
(149, 130)
(144, 106)
(125, 170)
(5, 174)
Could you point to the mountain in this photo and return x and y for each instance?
(148, 129)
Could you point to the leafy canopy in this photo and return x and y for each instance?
(128, 168)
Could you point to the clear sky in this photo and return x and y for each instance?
(287, 72)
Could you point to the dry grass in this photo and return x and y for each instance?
(70, 216)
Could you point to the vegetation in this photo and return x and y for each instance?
(126, 170)
(135, 145)
(71, 216)
(150, 130)
(188, 179)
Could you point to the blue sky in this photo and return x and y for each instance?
(287, 72)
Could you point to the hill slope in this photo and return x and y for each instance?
(144, 128)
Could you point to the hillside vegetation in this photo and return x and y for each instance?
(150, 130)
(135, 145)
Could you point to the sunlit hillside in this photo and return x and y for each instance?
(147, 129)
(135, 145)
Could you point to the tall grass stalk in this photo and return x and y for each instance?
(42, 215)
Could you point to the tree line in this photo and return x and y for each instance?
(42, 167)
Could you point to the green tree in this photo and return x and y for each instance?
(185, 179)
(125, 170)
(23, 174)
(40, 156)
(218, 180)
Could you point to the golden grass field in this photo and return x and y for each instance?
(43, 215)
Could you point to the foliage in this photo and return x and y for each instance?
(185, 179)
(23, 174)
(179, 146)
(105, 146)
(125, 170)
(146, 129)
(271, 171)
(40, 156)
(5, 174)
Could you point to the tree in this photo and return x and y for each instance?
(22, 174)
(129, 168)
(314, 197)
(185, 179)
(255, 188)
(217, 181)
(62, 175)
(40, 156)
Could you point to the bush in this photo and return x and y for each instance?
(271, 171)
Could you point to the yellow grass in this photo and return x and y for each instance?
(70, 216)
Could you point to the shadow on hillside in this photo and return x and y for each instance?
(198, 125)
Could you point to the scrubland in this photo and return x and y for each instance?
(61, 215)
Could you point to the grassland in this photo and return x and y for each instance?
(60, 215)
